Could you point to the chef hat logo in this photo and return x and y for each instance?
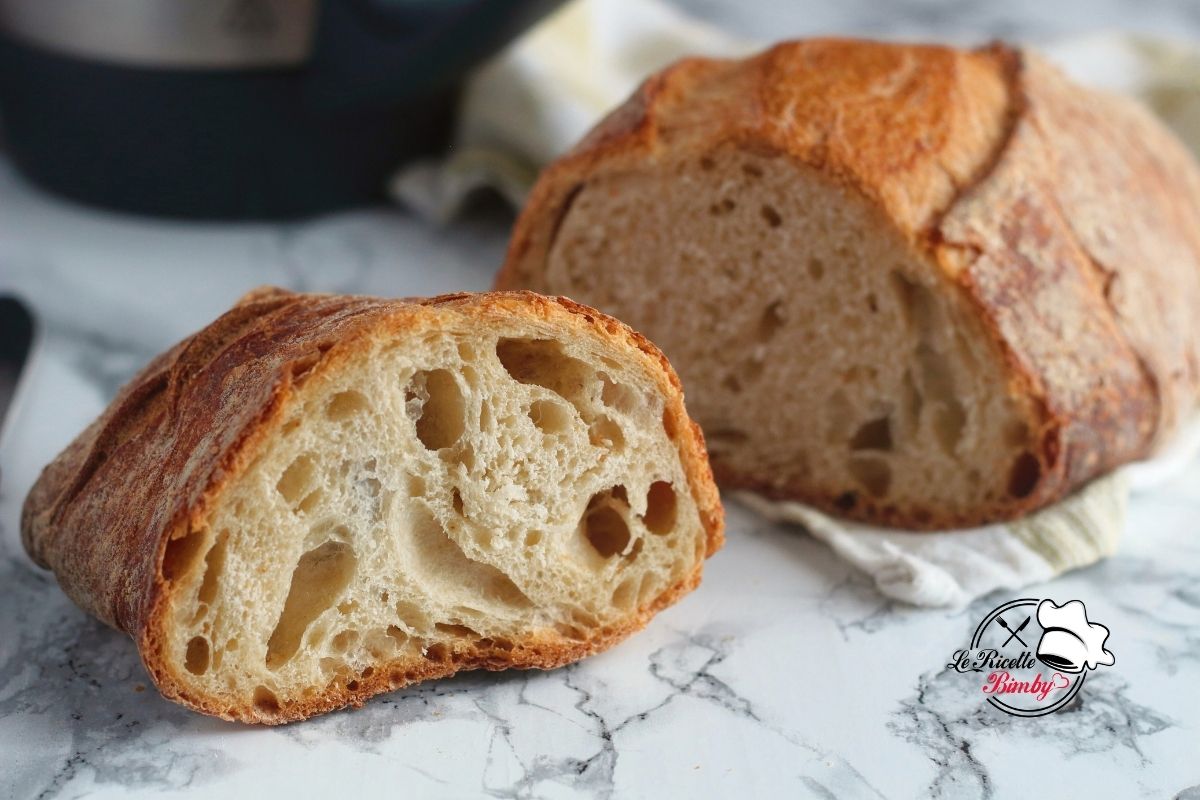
(1069, 642)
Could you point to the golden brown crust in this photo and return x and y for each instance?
(102, 513)
(1068, 220)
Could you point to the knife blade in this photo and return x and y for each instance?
(16, 342)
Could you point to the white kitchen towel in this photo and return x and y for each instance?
(952, 568)
(543, 93)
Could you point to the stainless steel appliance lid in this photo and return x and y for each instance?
(181, 34)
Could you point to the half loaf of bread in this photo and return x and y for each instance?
(911, 285)
(319, 498)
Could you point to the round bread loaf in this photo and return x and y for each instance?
(911, 285)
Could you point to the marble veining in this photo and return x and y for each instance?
(785, 674)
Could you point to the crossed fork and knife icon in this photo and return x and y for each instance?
(1013, 634)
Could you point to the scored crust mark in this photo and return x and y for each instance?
(424, 501)
(896, 252)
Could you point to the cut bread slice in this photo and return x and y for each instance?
(905, 284)
(319, 498)
(891, 394)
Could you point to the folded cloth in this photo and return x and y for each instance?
(542, 94)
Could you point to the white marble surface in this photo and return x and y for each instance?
(785, 674)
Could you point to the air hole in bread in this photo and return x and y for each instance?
(183, 554)
(873, 474)
(265, 700)
(607, 531)
(648, 589)
(439, 408)
(948, 424)
(320, 577)
(660, 508)
(437, 652)
(625, 593)
(603, 432)
(771, 216)
(936, 378)
(604, 525)
(584, 618)
(398, 635)
(343, 641)
(197, 656)
(457, 631)
(732, 383)
(346, 405)
(317, 632)
(722, 207)
(873, 435)
(438, 554)
(542, 362)
(1024, 475)
(411, 616)
(573, 632)
(533, 538)
(618, 396)
(456, 501)
(311, 501)
(770, 322)
(303, 365)
(297, 479)
(214, 566)
(816, 268)
(550, 416)
(918, 306)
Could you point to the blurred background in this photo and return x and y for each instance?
(1024, 20)
(158, 158)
